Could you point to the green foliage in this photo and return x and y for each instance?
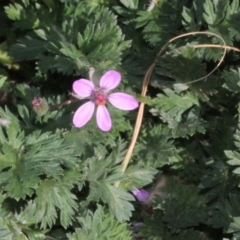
(180, 111)
(61, 182)
(171, 110)
(72, 44)
(13, 227)
(161, 149)
(164, 11)
(24, 159)
(185, 235)
(100, 225)
(177, 215)
(226, 215)
(214, 11)
(101, 181)
(232, 80)
(234, 156)
(139, 176)
(182, 208)
(181, 64)
(52, 196)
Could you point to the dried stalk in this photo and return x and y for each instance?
(147, 78)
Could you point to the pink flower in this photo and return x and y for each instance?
(141, 195)
(99, 96)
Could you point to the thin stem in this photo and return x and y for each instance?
(63, 103)
(216, 46)
(152, 5)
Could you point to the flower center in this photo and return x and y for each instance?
(36, 102)
(100, 99)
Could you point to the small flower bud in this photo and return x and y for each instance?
(40, 106)
(141, 195)
(4, 122)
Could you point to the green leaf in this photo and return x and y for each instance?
(139, 176)
(116, 198)
(209, 14)
(70, 43)
(14, 11)
(190, 124)
(132, 4)
(24, 158)
(234, 156)
(12, 228)
(235, 225)
(189, 20)
(159, 149)
(172, 105)
(2, 80)
(234, 160)
(226, 214)
(184, 235)
(232, 18)
(28, 49)
(186, 208)
(214, 11)
(236, 170)
(52, 196)
(232, 80)
(164, 12)
(102, 174)
(29, 15)
(183, 64)
(100, 225)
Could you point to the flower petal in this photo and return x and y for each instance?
(141, 195)
(104, 121)
(83, 87)
(83, 114)
(123, 101)
(110, 80)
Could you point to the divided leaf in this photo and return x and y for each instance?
(100, 225)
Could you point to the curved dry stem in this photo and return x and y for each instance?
(225, 47)
(138, 121)
(216, 46)
(199, 33)
(146, 80)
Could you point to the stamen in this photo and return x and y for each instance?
(100, 99)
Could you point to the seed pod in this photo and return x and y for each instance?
(40, 106)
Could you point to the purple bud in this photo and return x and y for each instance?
(36, 102)
(40, 106)
(141, 195)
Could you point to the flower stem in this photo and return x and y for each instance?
(63, 103)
